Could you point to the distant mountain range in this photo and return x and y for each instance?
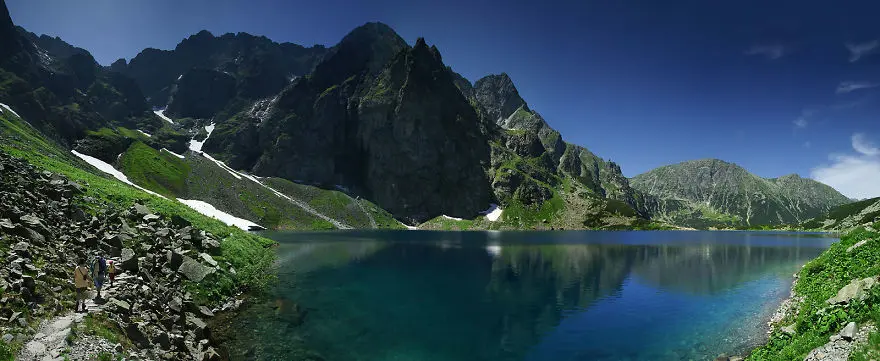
(371, 119)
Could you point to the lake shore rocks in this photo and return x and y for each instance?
(44, 230)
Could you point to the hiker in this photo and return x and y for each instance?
(99, 270)
(111, 271)
(81, 282)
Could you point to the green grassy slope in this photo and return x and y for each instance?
(247, 252)
(819, 280)
(160, 172)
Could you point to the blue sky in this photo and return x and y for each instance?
(778, 87)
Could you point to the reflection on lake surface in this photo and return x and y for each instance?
(521, 295)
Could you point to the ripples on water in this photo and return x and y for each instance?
(433, 296)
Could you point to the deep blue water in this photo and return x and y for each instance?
(537, 296)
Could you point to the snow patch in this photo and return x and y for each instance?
(161, 114)
(10, 110)
(180, 77)
(107, 168)
(207, 209)
(223, 166)
(145, 133)
(172, 153)
(493, 213)
(195, 145)
(452, 218)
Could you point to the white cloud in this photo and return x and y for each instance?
(772, 52)
(850, 86)
(862, 145)
(854, 175)
(800, 122)
(859, 50)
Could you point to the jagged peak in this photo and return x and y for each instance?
(371, 32)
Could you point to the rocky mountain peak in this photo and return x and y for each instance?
(8, 40)
(498, 95)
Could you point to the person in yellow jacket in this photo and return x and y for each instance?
(81, 280)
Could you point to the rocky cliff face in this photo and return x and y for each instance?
(61, 88)
(725, 188)
(375, 116)
(259, 66)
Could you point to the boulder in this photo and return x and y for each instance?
(857, 289)
(193, 270)
(208, 258)
(127, 262)
(151, 217)
(849, 331)
(140, 210)
(135, 333)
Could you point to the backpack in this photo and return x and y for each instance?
(102, 265)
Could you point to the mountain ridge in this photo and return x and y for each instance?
(387, 121)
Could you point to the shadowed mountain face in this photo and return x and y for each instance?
(479, 296)
(60, 89)
(257, 67)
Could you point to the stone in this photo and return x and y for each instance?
(210, 355)
(193, 270)
(140, 210)
(151, 217)
(735, 358)
(176, 304)
(116, 240)
(5, 223)
(197, 325)
(205, 311)
(120, 304)
(212, 246)
(857, 289)
(135, 333)
(163, 340)
(788, 329)
(207, 258)
(7, 338)
(36, 348)
(849, 331)
(857, 245)
(127, 262)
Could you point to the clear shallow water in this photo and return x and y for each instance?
(439, 296)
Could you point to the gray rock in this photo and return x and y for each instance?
(788, 329)
(151, 217)
(857, 289)
(120, 304)
(849, 331)
(208, 259)
(141, 210)
(193, 270)
(8, 338)
(5, 223)
(205, 311)
(857, 245)
(136, 334)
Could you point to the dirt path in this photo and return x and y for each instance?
(50, 341)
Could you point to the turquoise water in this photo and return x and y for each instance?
(442, 296)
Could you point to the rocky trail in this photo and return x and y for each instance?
(50, 343)
(44, 229)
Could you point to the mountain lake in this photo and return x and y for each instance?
(566, 295)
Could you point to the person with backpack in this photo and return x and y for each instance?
(99, 270)
(111, 271)
(81, 282)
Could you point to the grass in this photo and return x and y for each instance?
(157, 171)
(99, 325)
(248, 253)
(8, 351)
(819, 280)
